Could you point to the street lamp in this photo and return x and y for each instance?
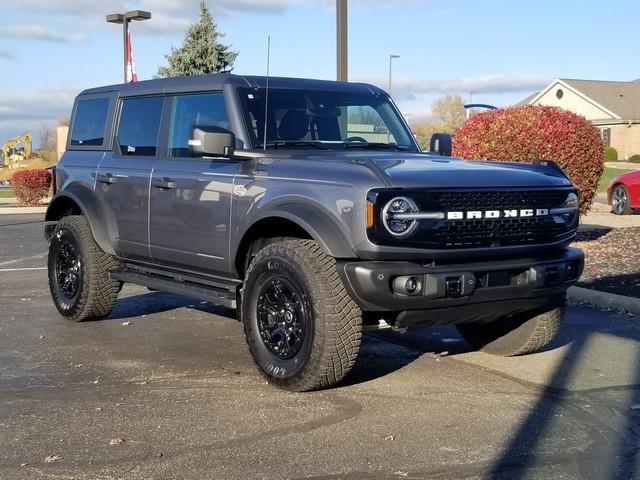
(391, 57)
(124, 19)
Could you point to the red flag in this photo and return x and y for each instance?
(132, 76)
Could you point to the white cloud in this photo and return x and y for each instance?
(28, 110)
(39, 32)
(407, 89)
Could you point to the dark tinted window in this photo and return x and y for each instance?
(139, 125)
(89, 122)
(191, 111)
(332, 118)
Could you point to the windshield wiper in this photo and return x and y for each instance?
(374, 145)
(293, 143)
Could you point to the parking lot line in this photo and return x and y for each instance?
(21, 269)
(19, 260)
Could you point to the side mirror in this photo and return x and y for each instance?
(441, 143)
(212, 142)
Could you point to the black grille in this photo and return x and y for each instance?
(498, 200)
(479, 233)
(502, 231)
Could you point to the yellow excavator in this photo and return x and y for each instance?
(11, 156)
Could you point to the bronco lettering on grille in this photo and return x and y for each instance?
(492, 214)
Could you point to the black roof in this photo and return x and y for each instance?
(218, 81)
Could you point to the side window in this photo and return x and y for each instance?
(191, 111)
(89, 122)
(139, 125)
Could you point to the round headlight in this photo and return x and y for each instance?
(571, 201)
(392, 216)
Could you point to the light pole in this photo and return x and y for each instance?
(342, 41)
(391, 57)
(124, 19)
(470, 102)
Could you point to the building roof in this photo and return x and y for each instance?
(622, 98)
(528, 100)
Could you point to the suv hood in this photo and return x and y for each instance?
(427, 171)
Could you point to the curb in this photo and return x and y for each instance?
(605, 299)
(23, 210)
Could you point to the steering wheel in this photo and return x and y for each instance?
(356, 139)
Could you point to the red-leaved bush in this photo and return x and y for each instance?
(530, 132)
(31, 186)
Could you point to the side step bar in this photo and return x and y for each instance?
(187, 286)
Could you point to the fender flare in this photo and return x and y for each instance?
(329, 233)
(103, 228)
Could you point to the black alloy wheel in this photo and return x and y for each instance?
(68, 268)
(283, 318)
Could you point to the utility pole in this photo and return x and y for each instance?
(391, 57)
(124, 19)
(342, 41)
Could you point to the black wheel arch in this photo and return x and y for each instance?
(78, 200)
(292, 221)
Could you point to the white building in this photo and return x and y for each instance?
(613, 107)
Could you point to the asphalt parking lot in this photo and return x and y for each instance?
(164, 388)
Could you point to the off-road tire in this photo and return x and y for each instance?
(520, 334)
(97, 293)
(332, 340)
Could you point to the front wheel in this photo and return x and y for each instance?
(301, 326)
(520, 334)
(620, 204)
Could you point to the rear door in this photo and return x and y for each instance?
(190, 195)
(123, 177)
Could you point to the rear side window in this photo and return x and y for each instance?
(139, 125)
(89, 122)
(191, 111)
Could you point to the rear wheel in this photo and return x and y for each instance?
(301, 326)
(519, 334)
(79, 272)
(620, 203)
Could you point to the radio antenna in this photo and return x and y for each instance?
(266, 95)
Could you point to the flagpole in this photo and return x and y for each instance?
(125, 31)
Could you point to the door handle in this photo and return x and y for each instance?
(107, 178)
(164, 183)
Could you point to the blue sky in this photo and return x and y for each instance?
(502, 50)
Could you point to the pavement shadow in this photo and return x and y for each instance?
(627, 284)
(589, 233)
(158, 302)
(384, 352)
(614, 453)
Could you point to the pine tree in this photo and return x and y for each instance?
(200, 51)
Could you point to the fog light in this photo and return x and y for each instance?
(406, 285)
(411, 285)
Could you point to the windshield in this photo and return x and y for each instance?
(323, 119)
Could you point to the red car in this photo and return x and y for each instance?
(623, 193)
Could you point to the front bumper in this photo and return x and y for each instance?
(462, 292)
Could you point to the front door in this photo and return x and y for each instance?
(190, 201)
(123, 176)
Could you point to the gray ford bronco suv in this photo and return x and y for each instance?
(307, 206)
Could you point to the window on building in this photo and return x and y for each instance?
(559, 93)
(606, 136)
(89, 122)
(190, 112)
(139, 126)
